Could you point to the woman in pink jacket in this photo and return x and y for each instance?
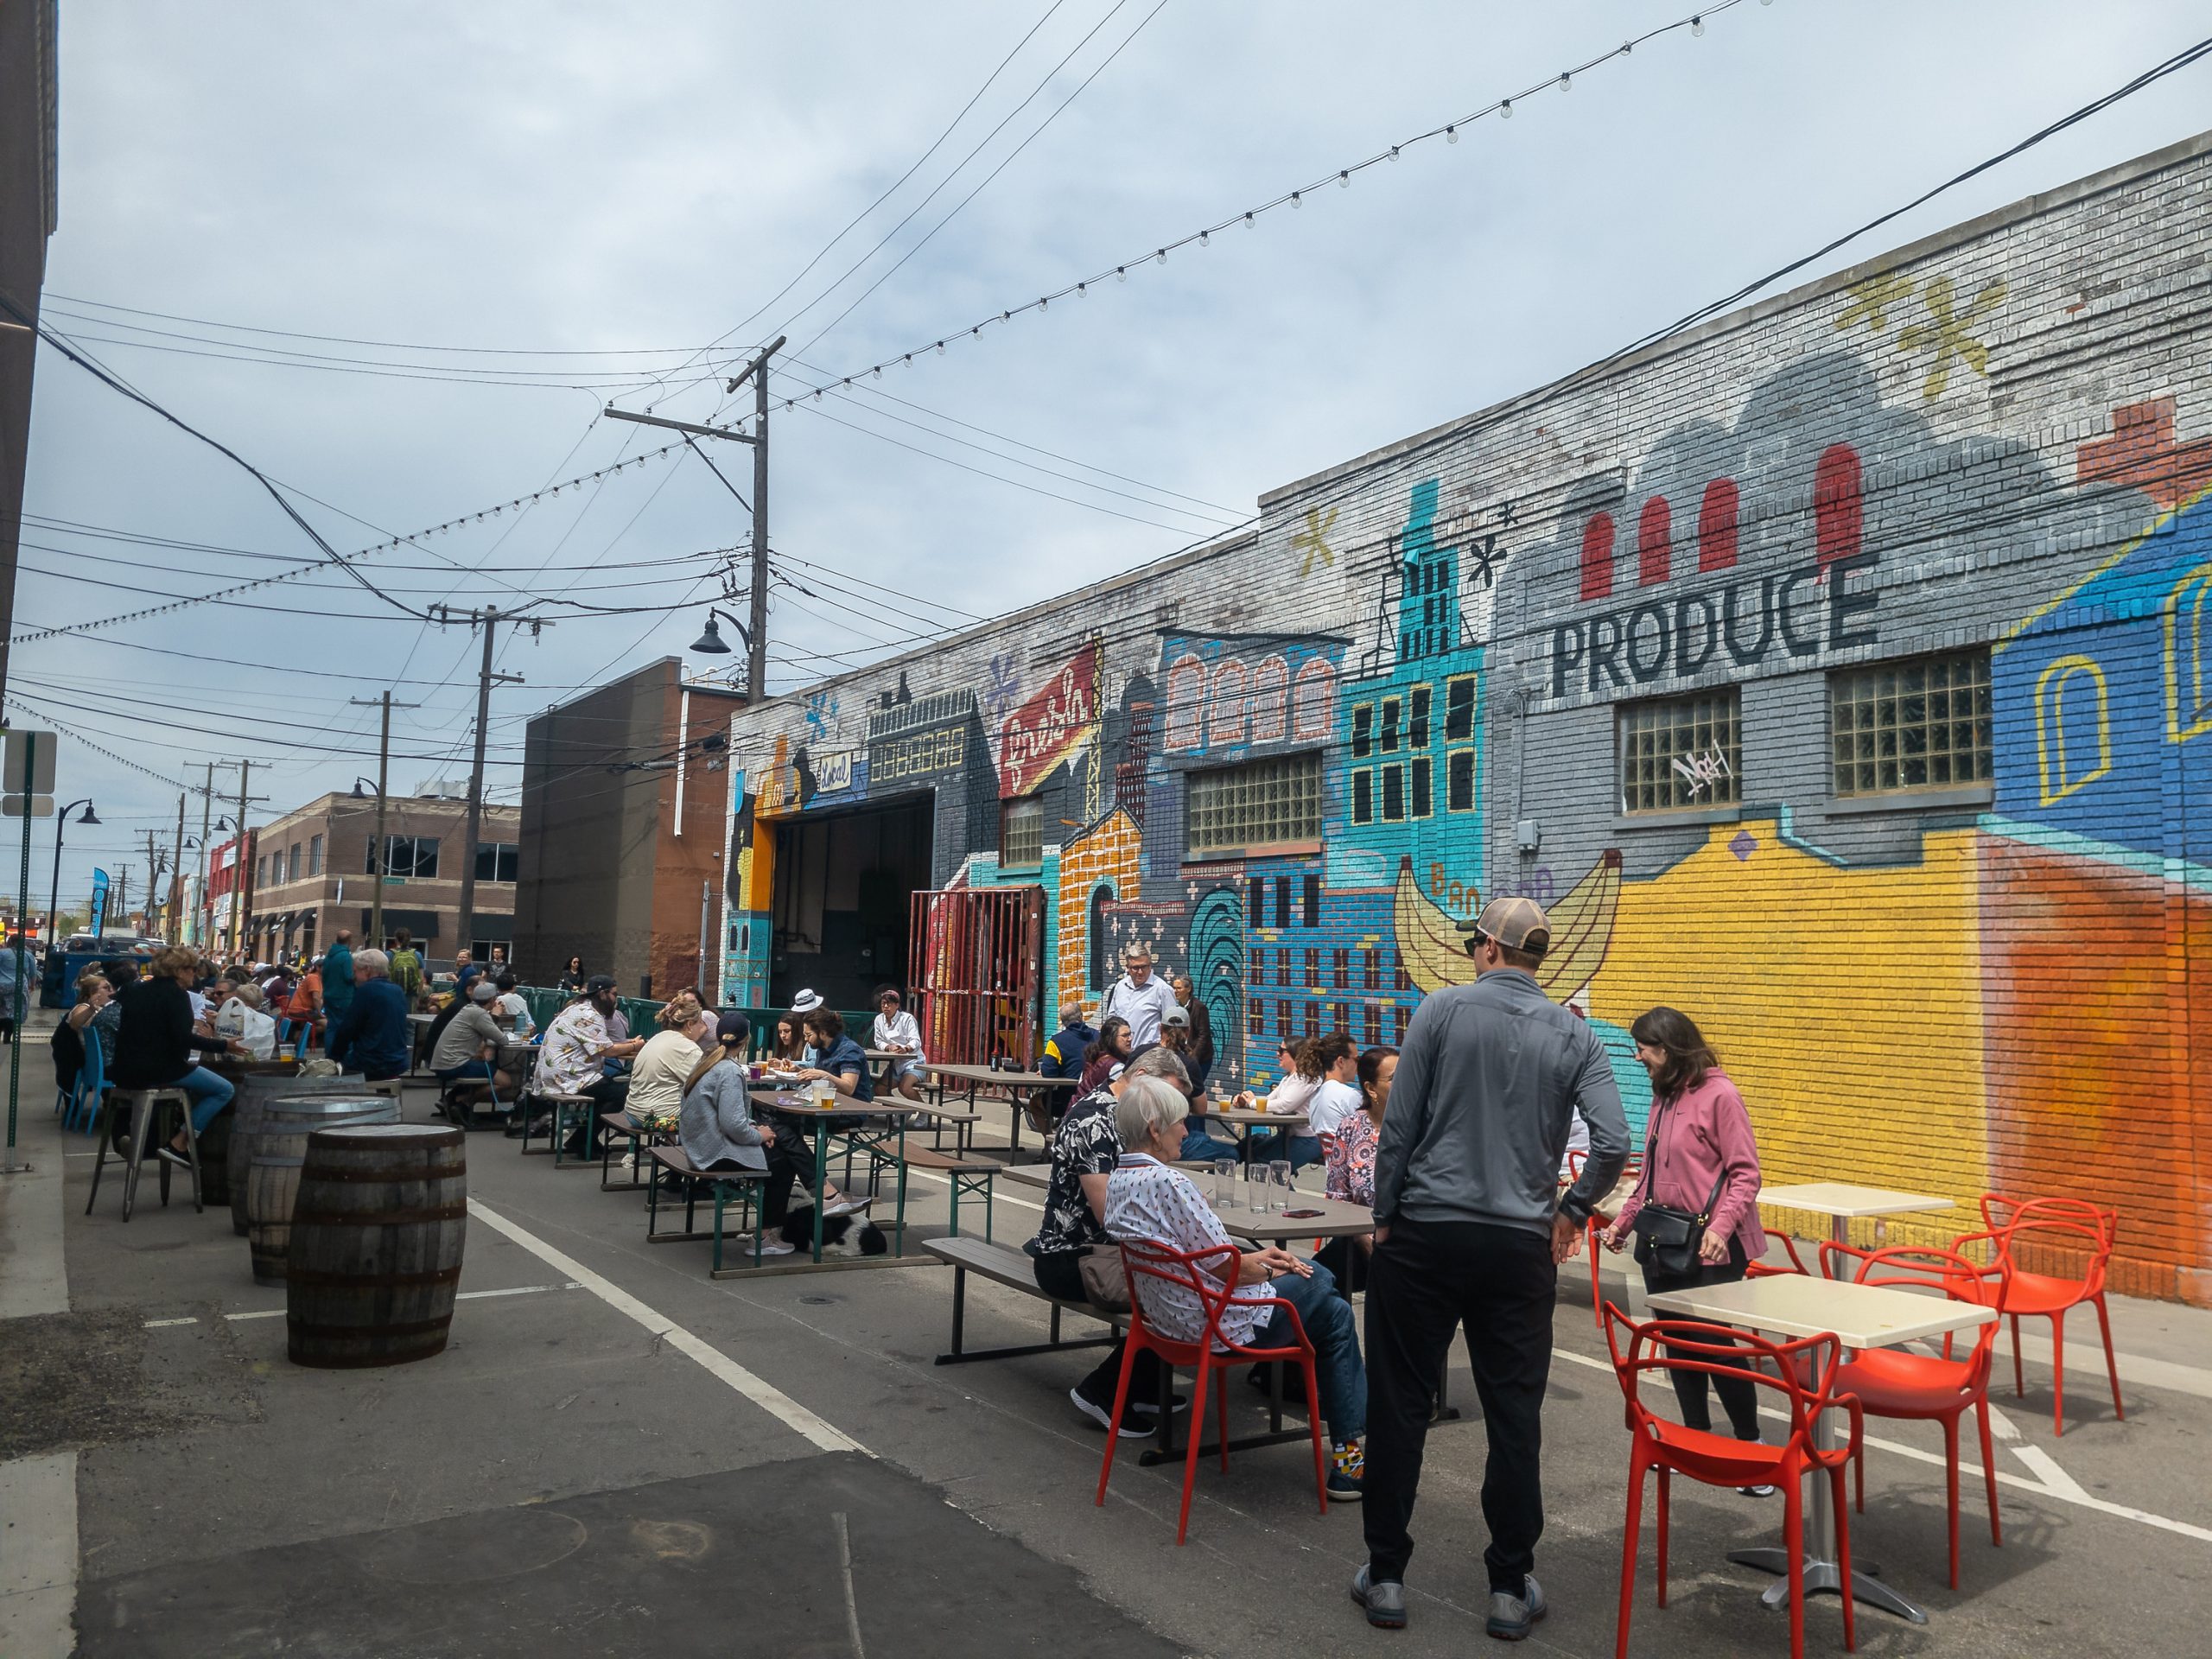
(1701, 1152)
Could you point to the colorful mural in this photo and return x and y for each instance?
(1950, 974)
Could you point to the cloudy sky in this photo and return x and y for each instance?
(465, 229)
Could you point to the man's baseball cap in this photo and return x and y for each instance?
(599, 982)
(1518, 924)
(482, 990)
(1177, 1016)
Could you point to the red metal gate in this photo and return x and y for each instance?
(976, 971)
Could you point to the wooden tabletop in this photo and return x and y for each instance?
(1802, 1305)
(1336, 1219)
(799, 1106)
(1841, 1199)
(1036, 1175)
(1240, 1115)
(1008, 1079)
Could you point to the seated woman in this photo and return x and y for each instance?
(840, 1061)
(716, 1128)
(1351, 1167)
(93, 993)
(789, 1048)
(1333, 1095)
(1099, 1060)
(661, 1072)
(1148, 1201)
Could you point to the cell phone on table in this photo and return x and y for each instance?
(1299, 1215)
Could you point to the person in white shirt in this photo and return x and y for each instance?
(895, 1033)
(512, 1010)
(1275, 1293)
(1140, 997)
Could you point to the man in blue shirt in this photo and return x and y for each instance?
(373, 1037)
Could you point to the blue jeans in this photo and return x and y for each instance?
(1199, 1147)
(1304, 1149)
(1331, 1327)
(210, 1093)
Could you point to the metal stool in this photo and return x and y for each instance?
(143, 1105)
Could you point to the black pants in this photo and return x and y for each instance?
(776, 1192)
(1057, 1274)
(610, 1093)
(1424, 1282)
(1346, 1262)
(1739, 1399)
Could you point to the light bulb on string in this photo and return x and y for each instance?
(1394, 152)
(1082, 291)
(1249, 221)
(1202, 238)
(877, 372)
(1041, 302)
(1565, 81)
(1344, 178)
(940, 345)
(1163, 256)
(1697, 25)
(1295, 201)
(1505, 109)
(1121, 273)
(1451, 134)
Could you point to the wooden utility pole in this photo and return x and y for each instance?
(241, 870)
(487, 619)
(176, 877)
(376, 848)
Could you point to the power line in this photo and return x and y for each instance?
(1449, 132)
(395, 345)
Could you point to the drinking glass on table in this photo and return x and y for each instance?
(1255, 1188)
(1224, 1182)
(1278, 1183)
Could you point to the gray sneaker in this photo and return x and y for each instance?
(1385, 1603)
(1511, 1618)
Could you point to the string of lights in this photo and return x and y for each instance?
(1693, 24)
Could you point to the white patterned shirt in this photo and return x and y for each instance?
(570, 1056)
(1146, 1200)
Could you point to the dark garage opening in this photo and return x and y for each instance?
(841, 886)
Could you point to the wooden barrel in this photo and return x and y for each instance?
(377, 1238)
(275, 1148)
(255, 1089)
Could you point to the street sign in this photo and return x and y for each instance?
(13, 806)
(27, 764)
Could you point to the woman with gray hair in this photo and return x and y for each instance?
(373, 1037)
(1275, 1295)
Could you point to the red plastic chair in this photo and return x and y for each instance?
(2070, 1225)
(1892, 1383)
(1210, 1275)
(1761, 1270)
(1719, 1459)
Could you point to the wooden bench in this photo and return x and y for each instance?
(971, 1176)
(617, 1123)
(963, 1124)
(744, 1184)
(560, 1112)
(1011, 1268)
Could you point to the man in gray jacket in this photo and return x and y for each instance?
(1470, 1229)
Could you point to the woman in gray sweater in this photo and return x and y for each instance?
(715, 1126)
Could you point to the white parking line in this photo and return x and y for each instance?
(764, 1394)
(465, 1296)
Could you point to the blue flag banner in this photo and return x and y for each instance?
(99, 903)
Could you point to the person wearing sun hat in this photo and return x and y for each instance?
(1470, 1229)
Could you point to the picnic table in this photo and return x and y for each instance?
(1243, 1120)
(1792, 1305)
(1013, 1084)
(867, 1140)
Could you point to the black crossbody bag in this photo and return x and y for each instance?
(1668, 1238)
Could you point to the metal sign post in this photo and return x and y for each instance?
(26, 777)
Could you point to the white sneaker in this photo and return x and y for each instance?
(776, 1247)
(844, 1203)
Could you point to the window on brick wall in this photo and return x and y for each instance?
(1680, 753)
(1417, 727)
(1256, 1024)
(292, 862)
(1459, 780)
(1255, 971)
(1340, 974)
(1372, 1033)
(1312, 1019)
(1373, 978)
(1920, 724)
(1312, 970)
(1405, 1018)
(1399, 981)
(1021, 833)
(1282, 1020)
(1393, 794)
(1392, 709)
(1270, 803)
(1460, 710)
(1363, 731)
(315, 855)
(1312, 895)
(1255, 896)
(1363, 795)
(1424, 787)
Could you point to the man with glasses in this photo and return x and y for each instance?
(1140, 998)
(1470, 1229)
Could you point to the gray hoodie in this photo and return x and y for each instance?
(715, 1121)
(1488, 1079)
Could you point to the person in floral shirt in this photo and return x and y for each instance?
(1350, 1153)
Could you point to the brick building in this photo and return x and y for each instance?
(311, 872)
(624, 807)
(1840, 671)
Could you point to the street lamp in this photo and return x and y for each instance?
(378, 848)
(60, 821)
(711, 643)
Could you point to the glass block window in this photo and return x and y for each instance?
(1021, 833)
(1680, 753)
(1922, 724)
(1260, 804)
